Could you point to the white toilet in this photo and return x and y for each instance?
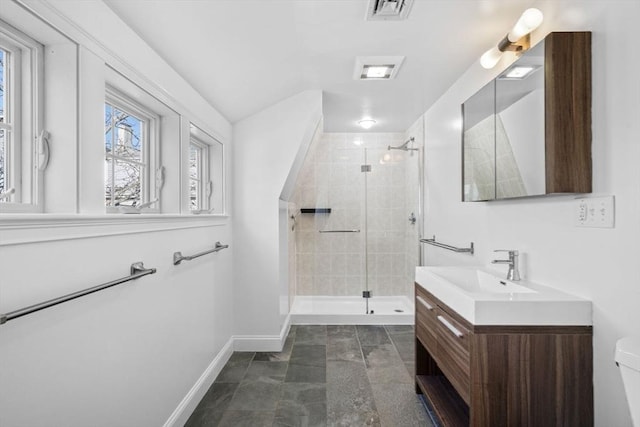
(628, 359)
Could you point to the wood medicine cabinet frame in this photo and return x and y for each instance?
(567, 122)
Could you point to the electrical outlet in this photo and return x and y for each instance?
(596, 212)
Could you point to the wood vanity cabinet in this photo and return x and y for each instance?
(501, 375)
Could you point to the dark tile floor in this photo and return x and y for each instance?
(325, 376)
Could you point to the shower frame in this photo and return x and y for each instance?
(367, 154)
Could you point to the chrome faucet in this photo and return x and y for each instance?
(513, 273)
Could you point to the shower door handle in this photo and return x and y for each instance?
(338, 231)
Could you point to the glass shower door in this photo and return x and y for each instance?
(341, 235)
(368, 243)
(392, 199)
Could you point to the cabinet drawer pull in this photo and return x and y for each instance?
(425, 303)
(449, 326)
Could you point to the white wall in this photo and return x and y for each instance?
(121, 357)
(598, 264)
(267, 146)
(142, 353)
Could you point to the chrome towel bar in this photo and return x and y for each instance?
(137, 270)
(178, 257)
(338, 231)
(433, 242)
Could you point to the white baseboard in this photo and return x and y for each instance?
(236, 343)
(262, 342)
(186, 407)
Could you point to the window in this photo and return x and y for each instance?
(4, 126)
(206, 177)
(130, 146)
(20, 113)
(199, 184)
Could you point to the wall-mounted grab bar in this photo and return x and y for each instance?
(137, 270)
(178, 257)
(445, 246)
(338, 231)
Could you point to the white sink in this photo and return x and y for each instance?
(480, 281)
(483, 298)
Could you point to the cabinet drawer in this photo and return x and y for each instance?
(453, 352)
(426, 321)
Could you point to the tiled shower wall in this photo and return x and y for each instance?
(335, 263)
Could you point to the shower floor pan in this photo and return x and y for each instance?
(332, 310)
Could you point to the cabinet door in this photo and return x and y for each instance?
(479, 146)
(453, 352)
(426, 323)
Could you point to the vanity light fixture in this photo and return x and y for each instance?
(517, 40)
(366, 123)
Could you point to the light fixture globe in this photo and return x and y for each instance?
(366, 123)
(490, 58)
(529, 21)
(517, 40)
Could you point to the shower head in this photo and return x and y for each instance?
(404, 147)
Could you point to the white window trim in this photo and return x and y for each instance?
(150, 185)
(204, 187)
(214, 179)
(20, 229)
(29, 150)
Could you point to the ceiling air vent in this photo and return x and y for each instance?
(388, 10)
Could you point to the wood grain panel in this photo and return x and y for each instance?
(453, 355)
(532, 380)
(449, 408)
(532, 329)
(568, 112)
(425, 364)
(508, 375)
(426, 323)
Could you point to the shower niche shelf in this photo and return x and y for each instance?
(315, 210)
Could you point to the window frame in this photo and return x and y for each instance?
(203, 177)
(214, 183)
(12, 80)
(26, 146)
(150, 186)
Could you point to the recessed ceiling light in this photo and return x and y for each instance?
(377, 71)
(366, 123)
(377, 67)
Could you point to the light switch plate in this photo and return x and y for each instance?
(598, 212)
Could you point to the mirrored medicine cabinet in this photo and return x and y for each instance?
(528, 131)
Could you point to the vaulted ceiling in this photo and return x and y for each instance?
(245, 55)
